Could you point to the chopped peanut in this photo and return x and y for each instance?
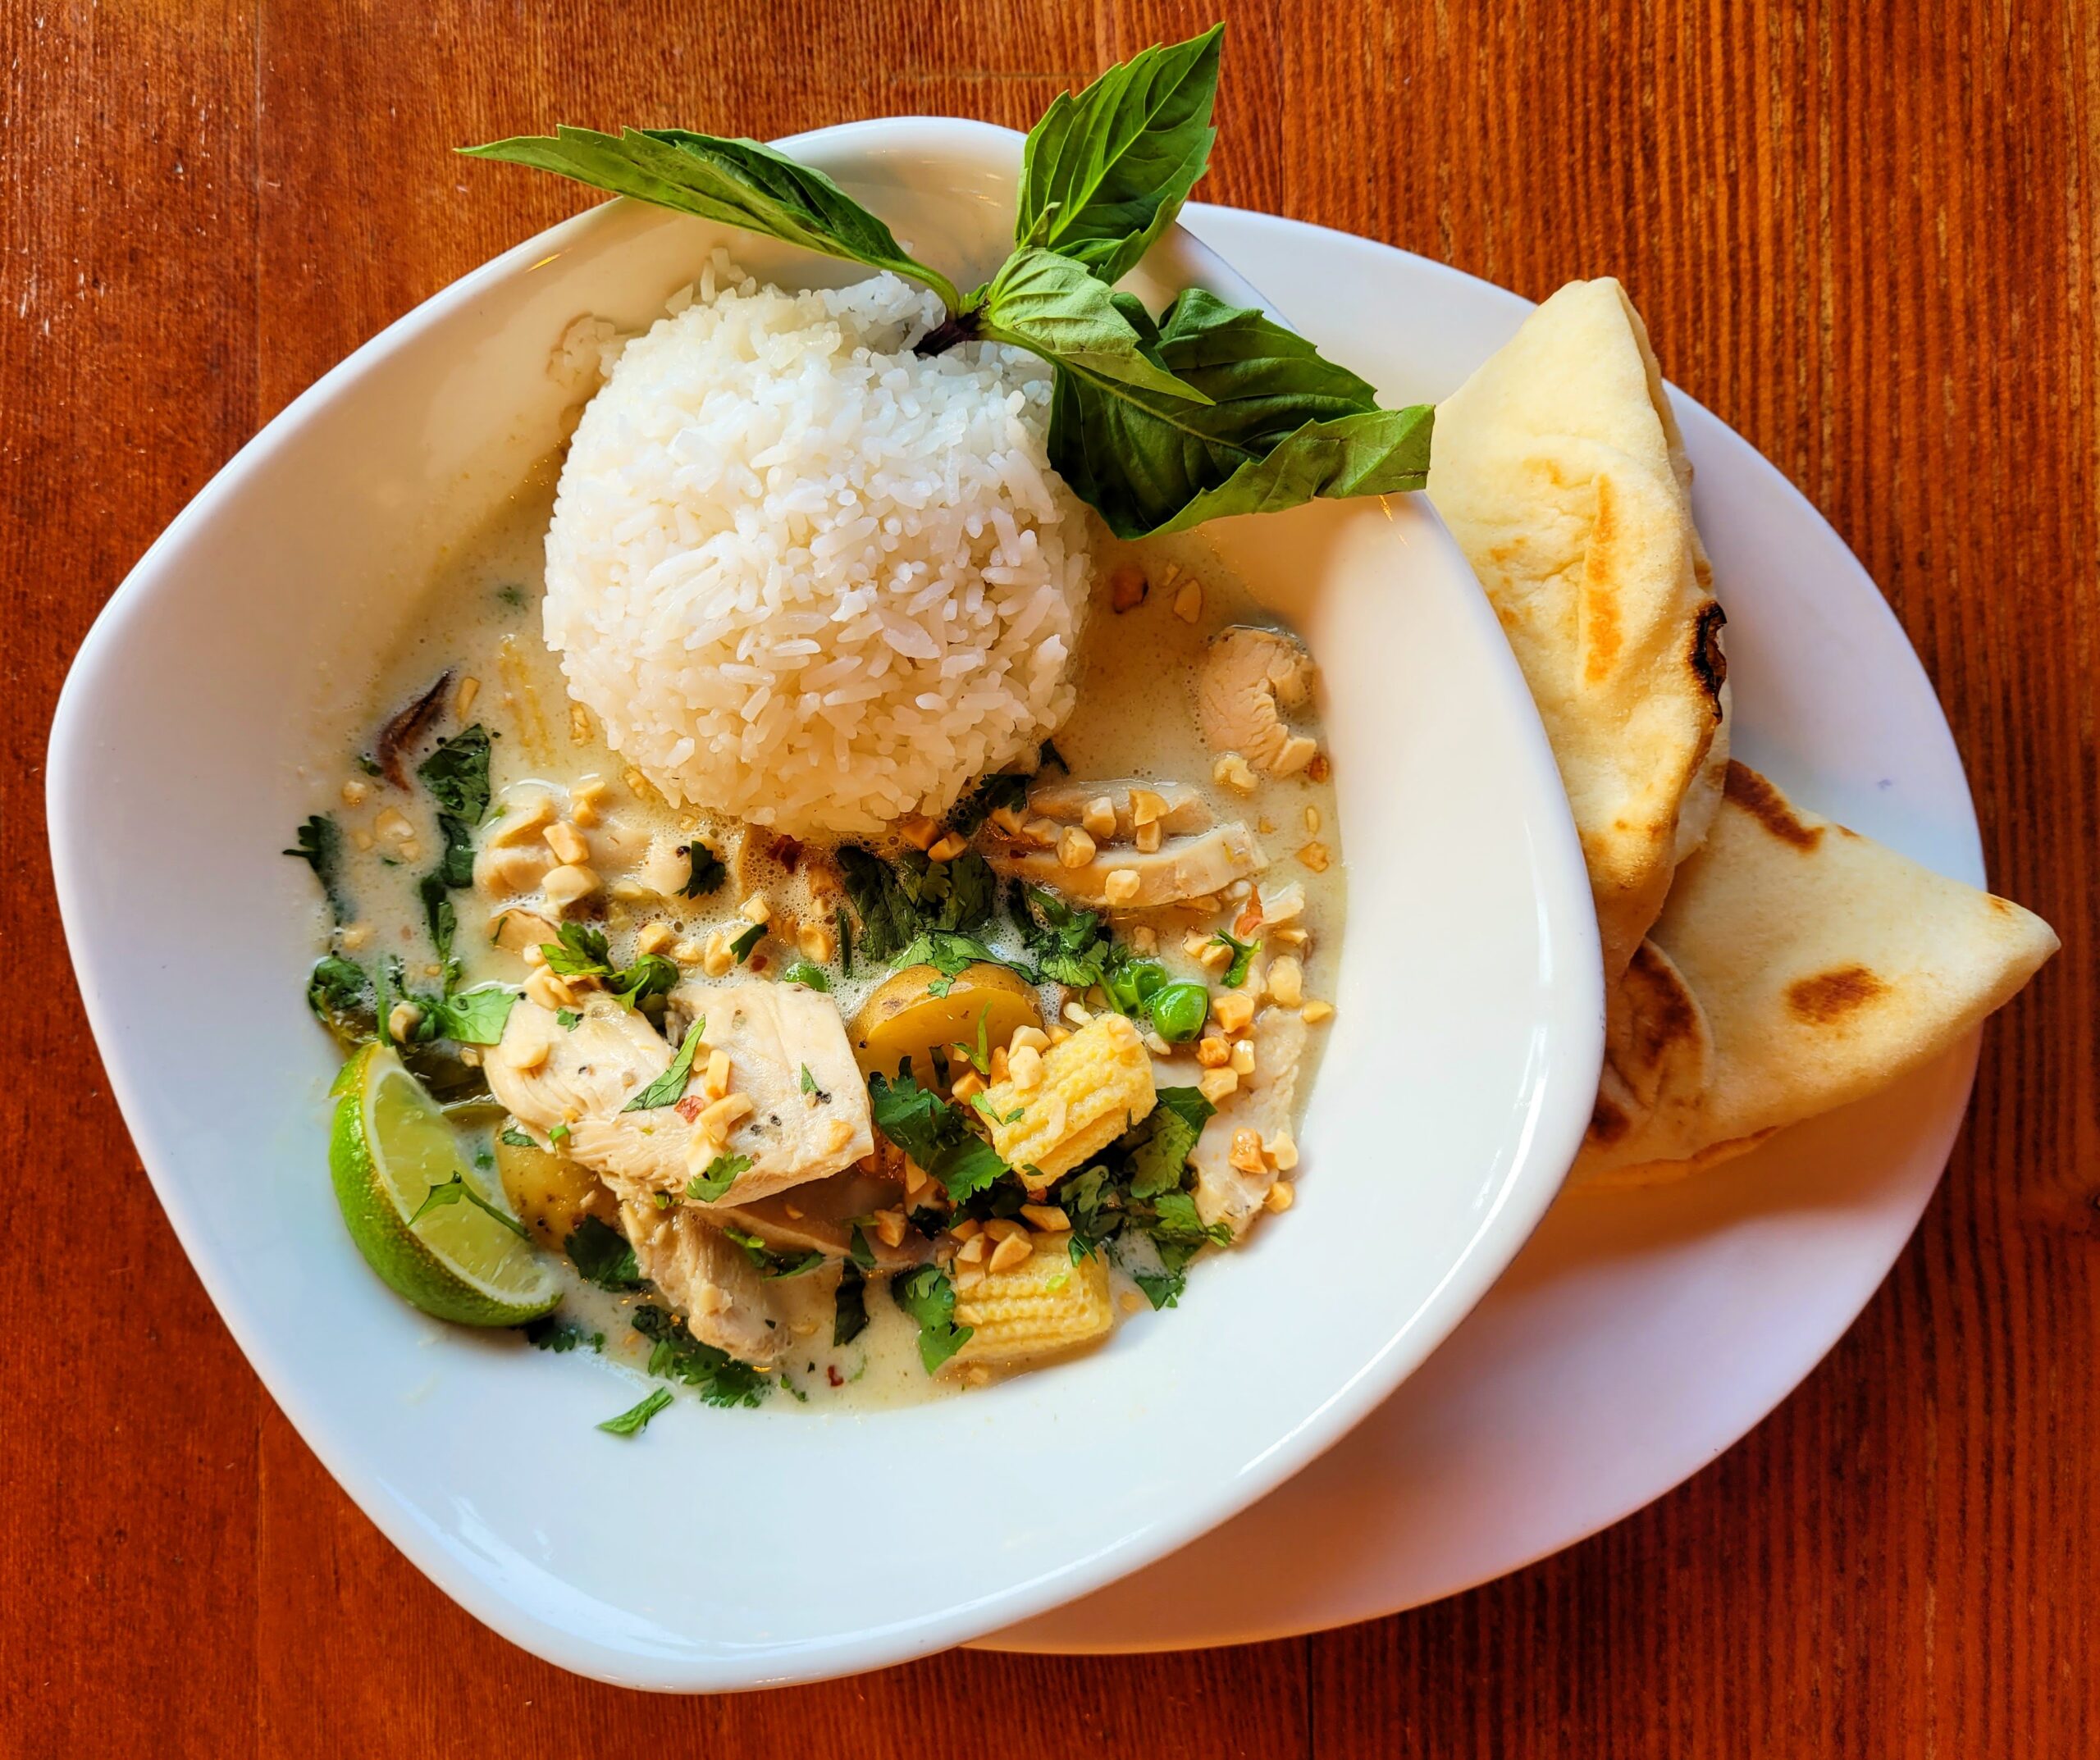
(525, 931)
(1318, 769)
(972, 1252)
(654, 937)
(1132, 1303)
(1074, 848)
(1313, 1013)
(1121, 884)
(1148, 838)
(1000, 1063)
(548, 990)
(686, 953)
(1233, 772)
(1099, 818)
(1243, 1057)
(1246, 1153)
(1213, 1053)
(1077, 1015)
(567, 842)
(1028, 1038)
(1127, 587)
(1024, 1069)
(566, 884)
(355, 936)
(889, 1227)
(1234, 1010)
(1298, 752)
(1215, 953)
(1007, 820)
(816, 943)
(1144, 938)
(393, 822)
(403, 1018)
(410, 849)
(1312, 819)
(1286, 981)
(949, 847)
(1217, 1084)
(715, 1083)
(755, 909)
(715, 958)
(1188, 601)
(917, 830)
(1282, 1195)
(1008, 1254)
(579, 724)
(523, 822)
(718, 1120)
(1047, 1218)
(1314, 855)
(355, 791)
(1040, 832)
(962, 1230)
(1146, 806)
(1283, 1151)
(966, 1085)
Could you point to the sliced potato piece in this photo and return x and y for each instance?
(550, 1192)
(903, 1020)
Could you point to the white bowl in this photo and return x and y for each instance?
(734, 1549)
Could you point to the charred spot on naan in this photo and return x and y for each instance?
(1829, 996)
(1769, 807)
(1709, 665)
(1600, 588)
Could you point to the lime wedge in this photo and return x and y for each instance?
(390, 1146)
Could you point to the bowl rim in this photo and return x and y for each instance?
(1536, 1168)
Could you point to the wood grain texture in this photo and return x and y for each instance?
(1865, 234)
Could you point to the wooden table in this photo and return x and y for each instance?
(1863, 232)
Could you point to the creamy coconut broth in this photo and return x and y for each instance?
(1135, 719)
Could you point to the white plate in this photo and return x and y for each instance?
(1639, 1335)
(736, 1549)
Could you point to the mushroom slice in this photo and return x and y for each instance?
(1181, 867)
(707, 1278)
(819, 1217)
(1185, 810)
(1247, 676)
(1262, 1103)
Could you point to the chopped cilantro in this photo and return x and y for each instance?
(721, 1175)
(676, 1356)
(319, 844)
(368, 764)
(636, 1418)
(560, 1134)
(741, 947)
(925, 1294)
(933, 1132)
(568, 1017)
(1159, 1159)
(337, 988)
(602, 1256)
(810, 1083)
(1003, 789)
(1243, 953)
(551, 1332)
(992, 1112)
(1048, 754)
(949, 950)
(512, 595)
(788, 1387)
(579, 951)
(705, 872)
(472, 1017)
(849, 1314)
(516, 1138)
(899, 901)
(670, 1087)
(858, 1253)
(439, 913)
(1071, 945)
(773, 1264)
(650, 975)
(457, 775)
(801, 972)
(452, 1191)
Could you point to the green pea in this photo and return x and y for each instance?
(1177, 1010)
(1129, 985)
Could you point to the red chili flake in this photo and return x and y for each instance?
(831, 1373)
(690, 1107)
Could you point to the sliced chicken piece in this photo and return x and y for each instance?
(1066, 802)
(583, 1077)
(1262, 1104)
(707, 1279)
(1181, 867)
(1247, 677)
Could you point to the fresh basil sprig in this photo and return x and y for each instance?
(740, 182)
(1104, 174)
(1158, 427)
(1283, 425)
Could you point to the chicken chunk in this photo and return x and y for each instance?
(793, 1131)
(1248, 677)
(1185, 810)
(1181, 867)
(1262, 1104)
(707, 1278)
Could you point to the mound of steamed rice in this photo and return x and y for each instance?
(801, 575)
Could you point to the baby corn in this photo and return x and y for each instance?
(1086, 1093)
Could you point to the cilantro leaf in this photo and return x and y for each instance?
(721, 1175)
(650, 975)
(451, 1191)
(849, 1314)
(551, 1332)
(602, 1256)
(1003, 788)
(705, 872)
(1243, 952)
(319, 844)
(772, 1264)
(670, 1087)
(472, 1017)
(934, 1133)
(676, 1356)
(636, 1418)
(578, 951)
(741, 947)
(517, 1138)
(925, 1294)
(801, 972)
(858, 1253)
(1158, 1160)
(810, 1083)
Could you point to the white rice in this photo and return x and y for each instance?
(803, 577)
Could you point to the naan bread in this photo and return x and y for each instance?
(1560, 470)
(1796, 966)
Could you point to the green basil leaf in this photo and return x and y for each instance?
(1104, 174)
(1284, 427)
(739, 183)
(472, 1017)
(1052, 307)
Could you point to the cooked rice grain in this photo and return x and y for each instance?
(801, 575)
